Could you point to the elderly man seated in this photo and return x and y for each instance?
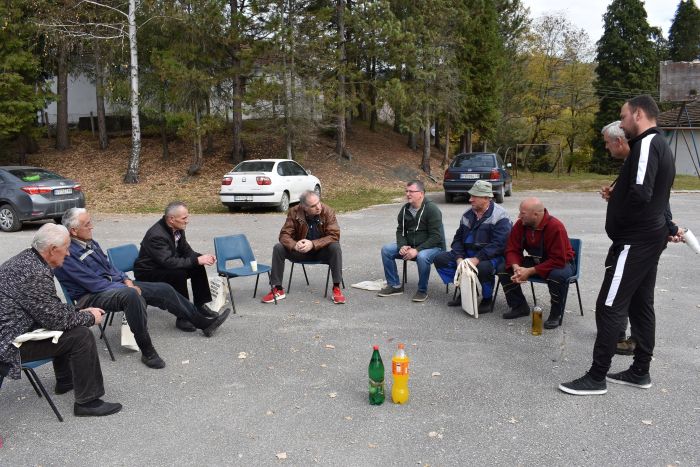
(550, 257)
(481, 238)
(91, 280)
(28, 301)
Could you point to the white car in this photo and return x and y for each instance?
(266, 182)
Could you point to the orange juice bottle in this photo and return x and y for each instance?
(399, 372)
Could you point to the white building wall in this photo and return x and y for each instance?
(685, 145)
(81, 99)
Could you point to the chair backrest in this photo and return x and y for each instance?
(123, 257)
(232, 247)
(577, 245)
(66, 295)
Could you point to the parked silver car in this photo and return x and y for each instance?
(33, 193)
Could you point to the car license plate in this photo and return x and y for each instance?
(243, 198)
(63, 191)
(469, 176)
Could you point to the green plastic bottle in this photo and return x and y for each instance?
(376, 378)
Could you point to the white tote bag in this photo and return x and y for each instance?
(470, 289)
(219, 293)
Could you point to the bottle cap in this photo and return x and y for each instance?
(376, 347)
(402, 346)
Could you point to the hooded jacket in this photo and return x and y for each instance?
(423, 231)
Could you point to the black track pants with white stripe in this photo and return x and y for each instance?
(627, 290)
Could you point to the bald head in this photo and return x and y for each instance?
(531, 212)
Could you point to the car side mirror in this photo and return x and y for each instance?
(308, 172)
(509, 165)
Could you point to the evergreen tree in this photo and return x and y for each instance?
(684, 35)
(627, 66)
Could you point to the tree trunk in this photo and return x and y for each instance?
(62, 140)
(373, 115)
(397, 121)
(197, 155)
(210, 136)
(446, 157)
(163, 126)
(103, 139)
(285, 104)
(341, 123)
(467, 141)
(412, 140)
(292, 98)
(132, 173)
(425, 162)
(437, 134)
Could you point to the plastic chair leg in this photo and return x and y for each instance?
(405, 270)
(103, 336)
(32, 377)
(578, 292)
(255, 291)
(230, 293)
(291, 273)
(328, 275)
(303, 268)
(534, 297)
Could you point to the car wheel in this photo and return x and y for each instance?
(498, 196)
(509, 191)
(9, 220)
(284, 202)
(449, 197)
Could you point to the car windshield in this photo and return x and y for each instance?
(472, 162)
(34, 175)
(254, 166)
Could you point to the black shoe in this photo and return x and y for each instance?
(217, 322)
(630, 379)
(584, 386)
(517, 312)
(456, 302)
(96, 408)
(554, 321)
(184, 325)
(151, 359)
(208, 312)
(388, 291)
(486, 306)
(62, 388)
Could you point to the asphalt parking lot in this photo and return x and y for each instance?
(482, 391)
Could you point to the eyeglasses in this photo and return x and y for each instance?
(413, 191)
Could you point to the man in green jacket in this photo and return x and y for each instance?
(419, 237)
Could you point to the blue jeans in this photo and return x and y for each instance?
(424, 260)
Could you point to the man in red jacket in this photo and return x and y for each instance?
(549, 257)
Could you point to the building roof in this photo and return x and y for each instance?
(669, 119)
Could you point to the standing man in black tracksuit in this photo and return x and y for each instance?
(636, 225)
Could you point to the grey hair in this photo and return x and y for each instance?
(303, 197)
(70, 218)
(418, 184)
(174, 206)
(49, 235)
(614, 130)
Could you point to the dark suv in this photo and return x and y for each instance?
(466, 168)
(32, 193)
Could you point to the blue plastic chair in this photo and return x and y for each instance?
(123, 257)
(28, 369)
(577, 245)
(236, 247)
(107, 318)
(303, 267)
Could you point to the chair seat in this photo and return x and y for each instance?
(244, 271)
(36, 363)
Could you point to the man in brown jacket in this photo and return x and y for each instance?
(310, 233)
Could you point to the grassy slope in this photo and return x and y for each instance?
(381, 165)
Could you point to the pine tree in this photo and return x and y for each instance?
(627, 66)
(684, 35)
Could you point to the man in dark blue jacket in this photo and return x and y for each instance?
(92, 281)
(636, 224)
(481, 238)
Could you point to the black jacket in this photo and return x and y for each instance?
(641, 194)
(158, 250)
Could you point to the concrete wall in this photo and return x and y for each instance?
(685, 144)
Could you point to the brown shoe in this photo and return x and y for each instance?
(625, 347)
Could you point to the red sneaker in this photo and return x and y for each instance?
(338, 297)
(276, 292)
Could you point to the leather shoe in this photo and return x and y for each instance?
(62, 388)
(517, 312)
(486, 306)
(456, 302)
(96, 408)
(151, 359)
(217, 322)
(208, 312)
(554, 321)
(183, 325)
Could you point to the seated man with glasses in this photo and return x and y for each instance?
(419, 237)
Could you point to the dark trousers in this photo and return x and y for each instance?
(557, 283)
(627, 290)
(331, 255)
(74, 359)
(178, 279)
(158, 294)
(446, 266)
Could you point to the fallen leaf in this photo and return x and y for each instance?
(329, 346)
(242, 355)
(332, 395)
(323, 365)
(281, 455)
(432, 434)
(647, 422)
(372, 446)
(436, 373)
(185, 362)
(269, 412)
(348, 418)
